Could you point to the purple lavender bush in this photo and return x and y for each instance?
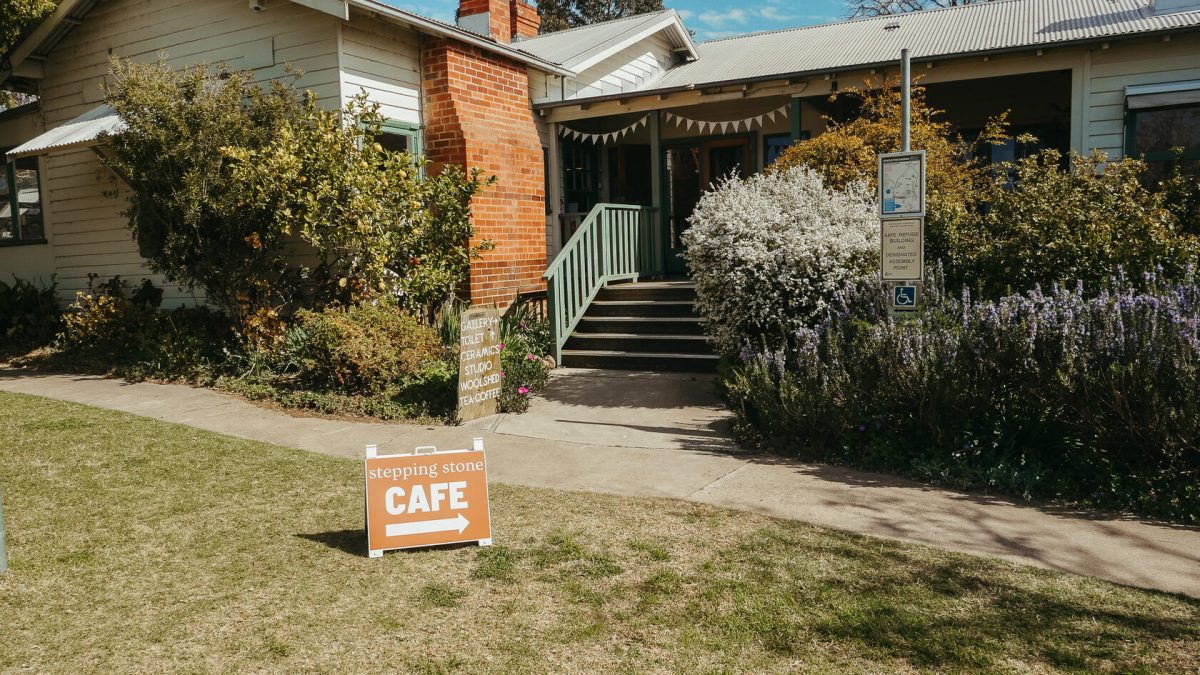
(1084, 396)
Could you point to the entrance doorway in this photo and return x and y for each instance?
(692, 167)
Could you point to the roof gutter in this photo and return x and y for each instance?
(550, 105)
(474, 39)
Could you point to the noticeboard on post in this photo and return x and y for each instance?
(426, 499)
(902, 184)
(479, 377)
(902, 249)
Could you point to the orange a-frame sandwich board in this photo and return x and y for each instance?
(426, 499)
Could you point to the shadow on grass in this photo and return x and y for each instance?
(353, 542)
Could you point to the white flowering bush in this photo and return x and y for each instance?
(769, 252)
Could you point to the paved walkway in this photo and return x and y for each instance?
(667, 436)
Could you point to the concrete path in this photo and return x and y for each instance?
(666, 436)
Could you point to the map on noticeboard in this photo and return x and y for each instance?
(902, 185)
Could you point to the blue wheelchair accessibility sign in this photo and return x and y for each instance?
(904, 297)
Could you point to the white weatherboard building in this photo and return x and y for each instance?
(630, 112)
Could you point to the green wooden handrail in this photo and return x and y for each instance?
(614, 243)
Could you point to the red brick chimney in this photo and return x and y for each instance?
(501, 19)
(525, 19)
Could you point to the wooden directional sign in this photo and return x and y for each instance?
(427, 499)
(479, 377)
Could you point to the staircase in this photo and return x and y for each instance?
(601, 317)
(641, 326)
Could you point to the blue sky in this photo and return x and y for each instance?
(709, 18)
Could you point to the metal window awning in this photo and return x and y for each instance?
(1142, 96)
(80, 132)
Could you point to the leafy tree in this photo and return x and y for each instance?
(847, 152)
(560, 14)
(269, 203)
(861, 8)
(19, 17)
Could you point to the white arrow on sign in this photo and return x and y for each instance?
(427, 526)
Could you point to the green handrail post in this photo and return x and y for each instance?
(607, 247)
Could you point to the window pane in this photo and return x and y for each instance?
(1157, 172)
(6, 228)
(393, 142)
(774, 145)
(29, 198)
(1162, 130)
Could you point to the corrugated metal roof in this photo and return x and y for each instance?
(79, 132)
(574, 46)
(992, 26)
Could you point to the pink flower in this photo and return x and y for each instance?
(522, 390)
(502, 346)
(530, 357)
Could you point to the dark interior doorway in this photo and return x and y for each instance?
(692, 167)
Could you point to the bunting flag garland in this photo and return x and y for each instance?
(606, 137)
(725, 127)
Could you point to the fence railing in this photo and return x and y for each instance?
(616, 242)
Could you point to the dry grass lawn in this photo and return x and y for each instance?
(142, 546)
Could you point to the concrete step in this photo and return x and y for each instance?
(648, 291)
(688, 363)
(641, 308)
(671, 325)
(639, 343)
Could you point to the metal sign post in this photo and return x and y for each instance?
(905, 102)
(902, 210)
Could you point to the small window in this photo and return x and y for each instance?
(775, 144)
(1159, 135)
(394, 142)
(21, 219)
(400, 137)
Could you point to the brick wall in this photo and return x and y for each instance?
(477, 113)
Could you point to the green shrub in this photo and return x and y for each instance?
(1046, 223)
(367, 349)
(106, 321)
(29, 314)
(1181, 196)
(228, 177)
(113, 329)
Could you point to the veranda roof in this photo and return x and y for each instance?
(80, 132)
